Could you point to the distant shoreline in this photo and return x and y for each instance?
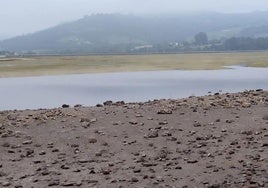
(142, 54)
(58, 65)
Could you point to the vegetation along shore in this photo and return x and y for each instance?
(55, 65)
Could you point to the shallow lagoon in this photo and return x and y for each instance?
(90, 89)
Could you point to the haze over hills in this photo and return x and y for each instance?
(102, 33)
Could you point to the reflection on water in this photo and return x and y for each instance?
(90, 89)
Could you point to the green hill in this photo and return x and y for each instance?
(114, 33)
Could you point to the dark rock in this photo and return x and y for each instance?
(192, 161)
(65, 167)
(108, 103)
(265, 144)
(105, 171)
(45, 172)
(259, 90)
(65, 106)
(133, 122)
(229, 121)
(120, 103)
(29, 152)
(137, 170)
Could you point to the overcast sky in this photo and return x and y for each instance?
(24, 16)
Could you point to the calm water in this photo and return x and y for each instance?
(90, 89)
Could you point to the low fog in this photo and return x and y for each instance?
(20, 17)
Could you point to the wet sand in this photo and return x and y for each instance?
(220, 140)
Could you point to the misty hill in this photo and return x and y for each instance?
(120, 33)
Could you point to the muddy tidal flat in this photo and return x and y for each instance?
(219, 140)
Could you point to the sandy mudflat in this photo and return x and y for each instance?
(213, 141)
(58, 65)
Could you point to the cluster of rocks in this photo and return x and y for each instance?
(212, 141)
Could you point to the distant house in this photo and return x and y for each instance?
(143, 47)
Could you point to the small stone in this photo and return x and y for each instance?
(133, 122)
(45, 172)
(152, 134)
(55, 150)
(5, 184)
(265, 117)
(2, 174)
(150, 144)
(137, 170)
(42, 152)
(84, 120)
(65, 167)
(6, 145)
(68, 184)
(105, 171)
(148, 164)
(54, 183)
(162, 123)
(83, 161)
(164, 111)
(197, 124)
(192, 161)
(93, 120)
(265, 144)
(92, 140)
(92, 181)
(27, 142)
(229, 121)
(133, 179)
(120, 103)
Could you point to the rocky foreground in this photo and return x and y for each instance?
(214, 141)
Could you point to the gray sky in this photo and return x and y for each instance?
(24, 16)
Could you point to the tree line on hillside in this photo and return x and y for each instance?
(200, 43)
